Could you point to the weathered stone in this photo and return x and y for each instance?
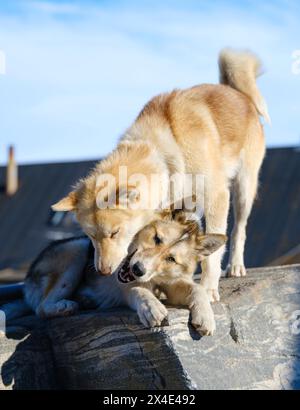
(26, 358)
(256, 346)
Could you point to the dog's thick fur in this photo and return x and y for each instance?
(213, 130)
(162, 259)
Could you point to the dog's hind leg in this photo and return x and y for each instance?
(244, 192)
(57, 301)
(216, 212)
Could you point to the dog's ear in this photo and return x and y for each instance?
(68, 203)
(208, 244)
(177, 215)
(165, 214)
(173, 212)
(187, 219)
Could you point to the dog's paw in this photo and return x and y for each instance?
(66, 307)
(61, 308)
(236, 271)
(152, 313)
(213, 295)
(204, 322)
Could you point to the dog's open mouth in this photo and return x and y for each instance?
(124, 274)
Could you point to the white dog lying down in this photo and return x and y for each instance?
(161, 260)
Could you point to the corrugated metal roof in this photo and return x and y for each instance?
(290, 258)
(273, 229)
(24, 217)
(274, 225)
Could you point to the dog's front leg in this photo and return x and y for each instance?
(150, 310)
(193, 295)
(216, 213)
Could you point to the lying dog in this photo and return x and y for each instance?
(162, 258)
(208, 130)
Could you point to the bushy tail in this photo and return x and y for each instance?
(239, 70)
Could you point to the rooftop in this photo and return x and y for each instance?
(28, 224)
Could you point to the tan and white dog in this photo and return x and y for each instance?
(209, 130)
(162, 259)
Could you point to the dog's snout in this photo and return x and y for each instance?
(106, 270)
(137, 269)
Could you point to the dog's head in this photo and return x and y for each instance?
(168, 249)
(111, 229)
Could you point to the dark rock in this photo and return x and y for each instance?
(256, 346)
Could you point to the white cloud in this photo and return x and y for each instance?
(77, 76)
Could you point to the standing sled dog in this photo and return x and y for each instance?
(212, 130)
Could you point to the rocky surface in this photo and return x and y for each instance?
(256, 346)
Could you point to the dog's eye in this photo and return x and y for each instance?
(157, 240)
(171, 259)
(115, 233)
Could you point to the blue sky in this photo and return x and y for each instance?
(78, 72)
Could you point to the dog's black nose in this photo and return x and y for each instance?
(137, 269)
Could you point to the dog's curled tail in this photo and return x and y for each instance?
(239, 70)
